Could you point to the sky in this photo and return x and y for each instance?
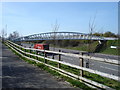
(39, 17)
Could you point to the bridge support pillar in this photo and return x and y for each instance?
(59, 59)
(25, 51)
(45, 56)
(102, 41)
(30, 52)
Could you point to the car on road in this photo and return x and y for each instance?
(41, 46)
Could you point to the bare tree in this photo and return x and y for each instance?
(3, 34)
(92, 25)
(55, 30)
(13, 35)
(91, 30)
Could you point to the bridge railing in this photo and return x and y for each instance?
(62, 36)
(31, 54)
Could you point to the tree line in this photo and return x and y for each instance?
(107, 34)
(15, 34)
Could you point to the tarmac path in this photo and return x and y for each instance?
(17, 73)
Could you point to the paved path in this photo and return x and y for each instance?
(95, 65)
(17, 73)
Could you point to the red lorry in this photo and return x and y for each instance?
(41, 46)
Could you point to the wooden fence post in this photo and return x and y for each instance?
(59, 59)
(44, 57)
(82, 65)
(30, 52)
(52, 56)
(20, 48)
(36, 54)
(25, 51)
(87, 62)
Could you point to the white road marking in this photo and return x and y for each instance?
(107, 63)
(109, 68)
(10, 68)
(3, 57)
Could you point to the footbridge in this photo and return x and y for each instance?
(61, 36)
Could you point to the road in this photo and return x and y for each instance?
(17, 73)
(95, 65)
(92, 54)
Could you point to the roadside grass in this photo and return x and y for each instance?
(106, 81)
(91, 47)
(111, 51)
(70, 69)
(103, 80)
(85, 47)
(82, 48)
(75, 83)
(55, 64)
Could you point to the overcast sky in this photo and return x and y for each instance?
(39, 17)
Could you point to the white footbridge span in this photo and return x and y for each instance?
(62, 36)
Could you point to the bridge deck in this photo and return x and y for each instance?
(16, 73)
(61, 36)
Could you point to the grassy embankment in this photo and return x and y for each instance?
(104, 50)
(85, 45)
(111, 51)
(111, 83)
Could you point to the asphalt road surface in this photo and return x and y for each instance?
(17, 73)
(95, 65)
(92, 64)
